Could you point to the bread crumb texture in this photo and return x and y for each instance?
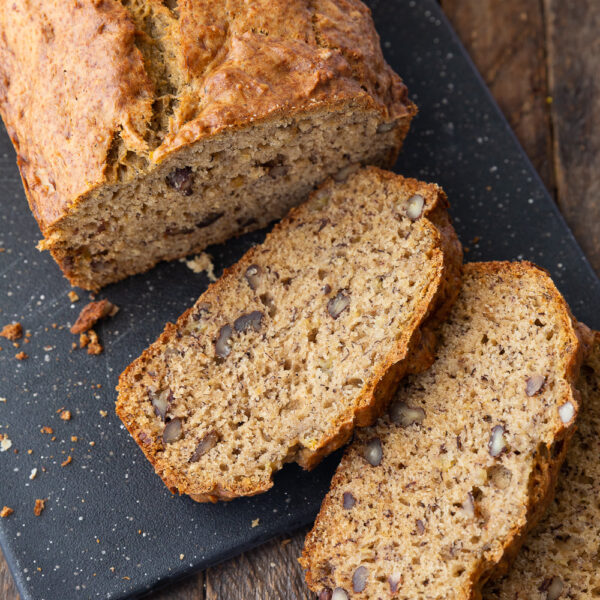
(12, 331)
(437, 496)
(39, 507)
(302, 339)
(93, 312)
(560, 558)
(201, 263)
(174, 126)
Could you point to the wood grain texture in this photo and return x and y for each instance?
(271, 571)
(506, 40)
(8, 590)
(573, 42)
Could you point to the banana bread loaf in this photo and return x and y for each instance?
(301, 340)
(560, 558)
(147, 129)
(428, 502)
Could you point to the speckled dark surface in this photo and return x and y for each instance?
(110, 528)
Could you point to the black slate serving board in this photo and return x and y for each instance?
(110, 529)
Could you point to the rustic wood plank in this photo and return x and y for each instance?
(8, 590)
(506, 41)
(271, 571)
(574, 63)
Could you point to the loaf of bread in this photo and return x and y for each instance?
(148, 129)
(431, 500)
(301, 340)
(560, 558)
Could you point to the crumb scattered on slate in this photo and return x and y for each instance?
(6, 512)
(12, 331)
(202, 262)
(94, 346)
(5, 443)
(21, 355)
(40, 505)
(255, 523)
(91, 313)
(66, 462)
(65, 415)
(33, 473)
(46, 429)
(73, 297)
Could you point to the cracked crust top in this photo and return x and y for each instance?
(154, 76)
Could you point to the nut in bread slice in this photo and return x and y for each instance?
(438, 494)
(560, 558)
(299, 342)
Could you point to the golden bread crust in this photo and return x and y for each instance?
(150, 80)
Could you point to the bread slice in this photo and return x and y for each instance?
(426, 503)
(560, 558)
(301, 340)
(147, 129)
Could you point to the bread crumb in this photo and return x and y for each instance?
(29, 451)
(5, 443)
(21, 355)
(103, 413)
(73, 297)
(181, 556)
(12, 331)
(74, 438)
(6, 512)
(94, 346)
(91, 313)
(33, 473)
(66, 462)
(74, 345)
(255, 523)
(201, 262)
(84, 340)
(40, 505)
(46, 429)
(65, 415)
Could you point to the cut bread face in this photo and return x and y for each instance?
(178, 124)
(429, 502)
(560, 558)
(224, 186)
(301, 340)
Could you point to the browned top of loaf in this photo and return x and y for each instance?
(344, 291)
(81, 82)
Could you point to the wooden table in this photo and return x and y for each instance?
(540, 59)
